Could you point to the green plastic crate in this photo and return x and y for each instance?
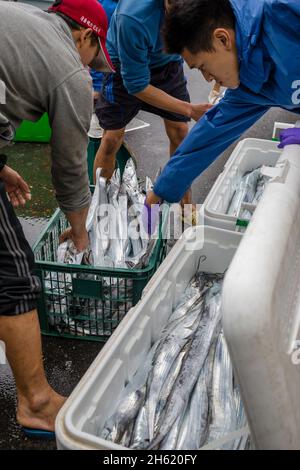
(122, 156)
(39, 131)
(72, 294)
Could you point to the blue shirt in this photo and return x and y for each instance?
(268, 42)
(109, 7)
(134, 41)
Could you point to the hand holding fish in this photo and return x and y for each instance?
(81, 241)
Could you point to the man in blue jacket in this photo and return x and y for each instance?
(253, 48)
(146, 79)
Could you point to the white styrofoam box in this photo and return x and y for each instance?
(261, 312)
(248, 155)
(98, 391)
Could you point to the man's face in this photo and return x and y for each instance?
(167, 5)
(221, 64)
(87, 48)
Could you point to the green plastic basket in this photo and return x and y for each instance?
(39, 131)
(86, 302)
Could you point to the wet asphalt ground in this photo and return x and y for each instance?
(66, 360)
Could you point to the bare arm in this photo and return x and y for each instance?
(160, 99)
(70, 111)
(77, 233)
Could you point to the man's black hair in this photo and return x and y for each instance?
(75, 26)
(190, 24)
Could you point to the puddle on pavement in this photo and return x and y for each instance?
(32, 161)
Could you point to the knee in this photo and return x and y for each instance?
(177, 133)
(111, 142)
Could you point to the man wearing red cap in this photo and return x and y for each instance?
(43, 68)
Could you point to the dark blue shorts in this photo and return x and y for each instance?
(19, 286)
(116, 107)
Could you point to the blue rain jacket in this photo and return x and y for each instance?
(268, 42)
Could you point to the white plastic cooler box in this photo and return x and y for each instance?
(248, 155)
(99, 390)
(261, 317)
(261, 311)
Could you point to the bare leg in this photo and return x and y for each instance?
(177, 131)
(106, 155)
(38, 403)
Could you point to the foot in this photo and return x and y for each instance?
(190, 215)
(189, 210)
(41, 412)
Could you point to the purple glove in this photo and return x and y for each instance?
(150, 217)
(289, 137)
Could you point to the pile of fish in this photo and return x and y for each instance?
(248, 190)
(117, 240)
(185, 395)
(117, 236)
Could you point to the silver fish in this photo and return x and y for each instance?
(170, 441)
(245, 192)
(250, 189)
(184, 429)
(117, 426)
(134, 236)
(223, 406)
(144, 259)
(123, 220)
(260, 188)
(192, 294)
(192, 364)
(195, 426)
(131, 183)
(99, 231)
(166, 354)
(116, 250)
(140, 436)
(127, 436)
(128, 406)
(169, 383)
(136, 202)
(148, 184)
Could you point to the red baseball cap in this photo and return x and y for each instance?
(89, 14)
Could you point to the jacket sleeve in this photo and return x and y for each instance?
(97, 78)
(70, 111)
(134, 55)
(283, 17)
(210, 136)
